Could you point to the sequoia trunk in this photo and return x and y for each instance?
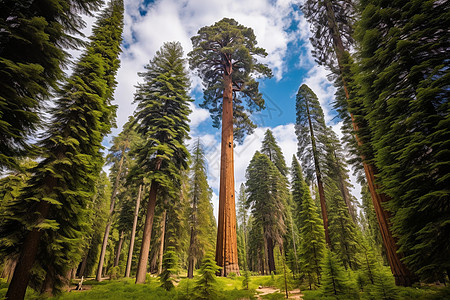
(226, 249)
(145, 248)
(133, 233)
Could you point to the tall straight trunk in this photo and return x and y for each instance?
(19, 282)
(119, 249)
(226, 247)
(98, 277)
(345, 193)
(403, 276)
(191, 256)
(293, 243)
(133, 233)
(270, 256)
(161, 243)
(323, 206)
(147, 235)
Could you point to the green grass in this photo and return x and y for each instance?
(230, 288)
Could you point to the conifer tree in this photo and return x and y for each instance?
(162, 120)
(119, 158)
(312, 244)
(202, 222)
(273, 151)
(403, 79)
(63, 183)
(206, 286)
(34, 37)
(170, 268)
(267, 191)
(243, 226)
(334, 283)
(224, 57)
(332, 24)
(311, 131)
(98, 209)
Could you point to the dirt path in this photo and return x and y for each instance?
(294, 294)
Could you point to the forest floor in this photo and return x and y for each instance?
(260, 287)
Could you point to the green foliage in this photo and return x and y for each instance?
(384, 286)
(162, 118)
(65, 178)
(312, 243)
(170, 268)
(267, 192)
(206, 286)
(34, 39)
(246, 279)
(334, 281)
(403, 79)
(228, 48)
(273, 151)
(201, 218)
(311, 132)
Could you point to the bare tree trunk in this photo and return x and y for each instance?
(226, 247)
(403, 276)
(133, 233)
(119, 249)
(270, 256)
(19, 282)
(145, 248)
(161, 244)
(98, 277)
(191, 256)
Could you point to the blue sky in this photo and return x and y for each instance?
(279, 28)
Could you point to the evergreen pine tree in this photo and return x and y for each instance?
(206, 286)
(242, 227)
(202, 225)
(273, 151)
(333, 26)
(98, 210)
(334, 282)
(311, 131)
(162, 120)
(267, 191)
(224, 57)
(403, 77)
(246, 279)
(118, 156)
(170, 268)
(64, 181)
(312, 239)
(34, 37)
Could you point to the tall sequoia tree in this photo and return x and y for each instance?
(33, 38)
(311, 130)
(64, 181)
(224, 57)
(267, 193)
(332, 25)
(202, 222)
(404, 77)
(162, 120)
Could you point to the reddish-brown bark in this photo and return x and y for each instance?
(226, 247)
(133, 233)
(161, 242)
(19, 282)
(119, 249)
(402, 274)
(145, 248)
